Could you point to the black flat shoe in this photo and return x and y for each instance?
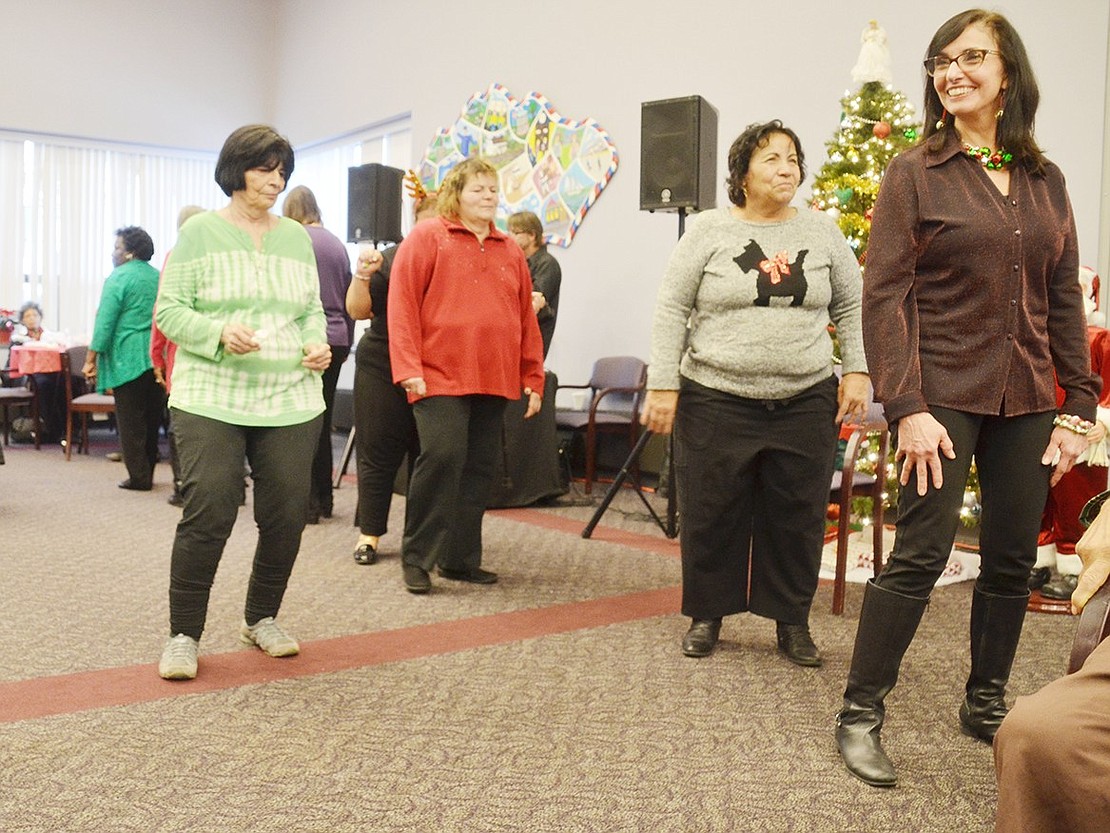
(133, 486)
(1039, 577)
(366, 554)
(1060, 588)
(416, 579)
(795, 642)
(701, 639)
(475, 575)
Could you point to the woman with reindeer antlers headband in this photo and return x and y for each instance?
(751, 393)
(385, 430)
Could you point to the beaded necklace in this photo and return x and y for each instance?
(992, 160)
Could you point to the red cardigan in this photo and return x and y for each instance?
(460, 313)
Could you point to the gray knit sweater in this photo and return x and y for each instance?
(758, 299)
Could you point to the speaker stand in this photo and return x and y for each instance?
(670, 528)
(345, 460)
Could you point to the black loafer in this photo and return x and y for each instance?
(701, 639)
(475, 575)
(131, 485)
(1060, 588)
(416, 579)
(366, 554)
(796, 643)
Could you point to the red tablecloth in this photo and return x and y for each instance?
(31, 358)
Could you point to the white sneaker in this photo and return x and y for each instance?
(268, 635)
(179, 659)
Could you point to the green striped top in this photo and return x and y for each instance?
(214, 277)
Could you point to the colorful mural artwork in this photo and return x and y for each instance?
(548, 164)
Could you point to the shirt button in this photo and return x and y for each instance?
(1017, 232)
(1015, 267)
(1009, 336)
(1013, 303)
(1013, 202)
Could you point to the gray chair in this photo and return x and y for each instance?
(616, 390)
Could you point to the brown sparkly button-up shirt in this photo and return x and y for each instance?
(971, 297)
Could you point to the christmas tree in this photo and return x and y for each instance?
(876, 122)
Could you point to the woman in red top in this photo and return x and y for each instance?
(463, 341)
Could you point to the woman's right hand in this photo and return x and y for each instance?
(239, 339)
(415, 386)
(659, 410)
(920, 437)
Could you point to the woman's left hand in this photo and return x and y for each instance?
(316, 356)
(853, 396)
(1063, 447)
(534, 403)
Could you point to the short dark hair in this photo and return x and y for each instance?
(300, 205)
(754, 137)
(252, 146)
(29, 305)
(526, 222)
(1021, 99)
(136, 242)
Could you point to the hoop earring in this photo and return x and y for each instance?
(940, 121)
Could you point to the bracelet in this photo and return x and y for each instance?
(1072, 423)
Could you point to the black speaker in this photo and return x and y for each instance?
(374, 203)
(678, 154)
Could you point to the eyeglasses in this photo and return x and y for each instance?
(966, 60)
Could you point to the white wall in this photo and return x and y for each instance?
(185, 74)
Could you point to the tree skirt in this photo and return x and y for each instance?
(962, 566)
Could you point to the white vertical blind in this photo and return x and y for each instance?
(11, 223)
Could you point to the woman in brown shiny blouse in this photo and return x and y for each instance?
(970, 304)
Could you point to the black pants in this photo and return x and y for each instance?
(753, 488)
(211, 456)
(139, 407)
(1014, 488)
(460, 438)
(321, 496)
(385, 431)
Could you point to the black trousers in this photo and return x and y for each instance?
(753, 489)
(460, 438)
(321, 497)
(385, 431)
(140, 404)
(211, 456)
(1014, 488)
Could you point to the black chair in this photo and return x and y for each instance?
(19, 393)
(78, 401)
(616, 390)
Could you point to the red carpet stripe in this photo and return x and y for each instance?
(106, 688)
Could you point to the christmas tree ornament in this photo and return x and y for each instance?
(881, 130)
(873, 63)
(844, 195)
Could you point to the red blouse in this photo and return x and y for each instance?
(460, 313)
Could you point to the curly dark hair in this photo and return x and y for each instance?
(252, 146)
(754, 137)
(136, 242)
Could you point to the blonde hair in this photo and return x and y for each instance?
(457, 179)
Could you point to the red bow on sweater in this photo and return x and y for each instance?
(776, 267)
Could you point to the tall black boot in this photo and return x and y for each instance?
(995, 631)
(887, 624)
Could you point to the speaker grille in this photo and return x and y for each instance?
(678, 154)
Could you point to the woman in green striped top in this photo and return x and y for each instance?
(240, 298)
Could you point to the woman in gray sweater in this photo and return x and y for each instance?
(741, 368)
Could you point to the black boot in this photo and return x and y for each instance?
(995, 630)
(887, 624)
